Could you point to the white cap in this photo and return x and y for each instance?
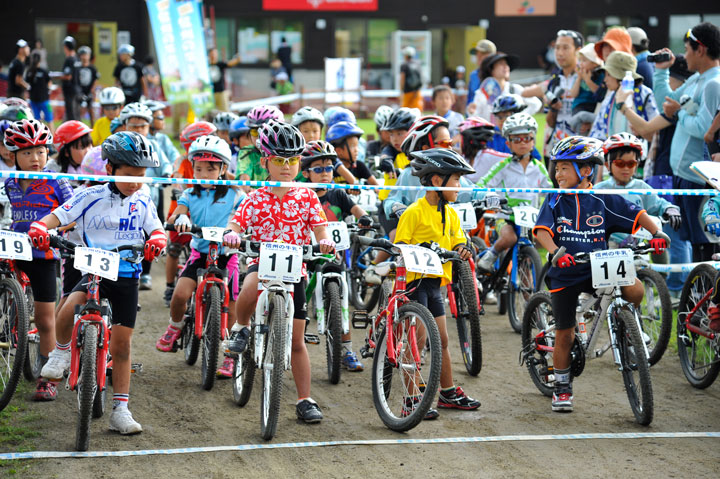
(460, 69)
(637, 35)
(21, 43)
(282, 76)
(408, 51)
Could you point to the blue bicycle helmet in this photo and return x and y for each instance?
(341, 114)
(131, 149)
(509, 102)
(239, 127)
(338, 132)
(4, 124)
(579, 150)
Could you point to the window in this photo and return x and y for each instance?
(379, 45)
(350, 38)
(259, 39)
(679, 25)
(369, 39)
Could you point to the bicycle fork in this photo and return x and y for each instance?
(260, 321)
(199, 291)
(76, 348)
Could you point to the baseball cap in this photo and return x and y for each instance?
(638, 36)
(460, 69)
(618, 63)
(21, 43)
(588, 51)
(408, 51)
(485, 46)
(616, 37)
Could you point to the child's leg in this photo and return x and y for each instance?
(634, 293)
(184, 289)
(446, 375)
(59, 358)
(507, 238)
(300, 360)
(45, 322)
(120, 352)
(245, 304)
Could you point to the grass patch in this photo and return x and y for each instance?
(19, 426)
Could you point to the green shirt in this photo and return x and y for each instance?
(249, 164)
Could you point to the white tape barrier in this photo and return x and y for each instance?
(369, 442)
(681, 267)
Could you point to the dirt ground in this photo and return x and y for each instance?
(175, 412)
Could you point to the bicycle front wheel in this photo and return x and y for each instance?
(468, 319)
(33, 363)
(699, 358)
(528, 270)
(87, 386)
(244, 376)
(273, 368)
(655, 313)
(404, 389)
(538, 332)
(191, 343)
(333, 332)
(210, 338)
(13, 337)
(634, 366)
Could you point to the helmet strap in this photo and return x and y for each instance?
(442, 201)
(577, 170)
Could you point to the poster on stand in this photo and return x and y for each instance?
(421, 42)
(342, 80)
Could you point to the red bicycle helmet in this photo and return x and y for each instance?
(194, 131)
(69, 132)
(623, 140)
(421, 129)
(26, 134)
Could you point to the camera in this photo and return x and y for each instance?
(555, 96)
(659, 57)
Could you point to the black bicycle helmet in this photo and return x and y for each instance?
(131, 149)
(438, 161)
(316, 150)
(279, 139)
(401, 119)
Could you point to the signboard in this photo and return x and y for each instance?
(182, 58)
(523, 8)
(420, 41)
(321, 5)
(252, 45)
(341, 75)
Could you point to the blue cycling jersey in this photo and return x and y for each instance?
(206, 211)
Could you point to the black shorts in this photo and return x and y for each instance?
(298, 295)
(43, 275)
(428, 294)
(388, 224)
(564, 303)
(70, 277)
(123, 297)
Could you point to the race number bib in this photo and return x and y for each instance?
(367, 200)
(15, 246)
(421, 260)
(466, 212)
(613, 267)
(97, 261)
(213, 233)
(644, 234)
(339, 234)
(280, 262)
(525, 216)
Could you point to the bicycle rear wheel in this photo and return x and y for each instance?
(655, 313)
(273, 368)
(210, 338)
(13, 337)
(87, 386)
(244, 376)
(699, 355)
(528, 270)
(403, 392)
(33, 363)
(333, 332)
(468, 320)
(539, 330)
(635, 366)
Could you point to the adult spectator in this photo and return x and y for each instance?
(546, 58)
(152, 79)
(483, 49)
(129, 74)
(410, 80)
(40, 50)
(693, 118)
(39, 80)
(640, 45)
(217, 77)
(17, 86)
(87, 76)
(615, 39)
(284, 54)
(70, 87)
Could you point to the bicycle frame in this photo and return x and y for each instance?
(490, 282)
(697, 329)
(206, 278)
(451, 291)
(262, 309)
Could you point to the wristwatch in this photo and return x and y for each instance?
(619, 106)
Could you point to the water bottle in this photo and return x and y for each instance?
(583, 304)
(628, 85)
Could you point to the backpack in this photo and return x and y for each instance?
(413, 81)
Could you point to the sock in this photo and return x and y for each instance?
(347, 346)
(307, 398)
(170, 285)
(62, 347)
(177, 325)
(562, 376)
(237, 327)
(493, 250)
(120, 401)
(448, 390)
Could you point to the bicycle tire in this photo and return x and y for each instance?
(98, 408)
(363, 296)
(210, 338)
(333, 331)
(540, 284)
(528, 269)
(191, 343)
(384, 293)
(699, 360)
(244, 376)
(425, 386)
(633, 359)
(538, 317)
(87, 385)
(468, 320)
(14, 332)
(33, 362)
(656, 324)
(273, 368)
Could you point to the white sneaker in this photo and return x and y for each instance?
(486, 263)
(58, 362)
(490, 298)
(121, 420)
(370, 275)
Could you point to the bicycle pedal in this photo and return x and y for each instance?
(366, 351)
(360, 319)
(312, 338)
(136, 368)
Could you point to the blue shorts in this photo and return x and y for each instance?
(691, 229)
(428, 294)
(44, 108)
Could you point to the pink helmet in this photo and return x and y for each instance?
(93, 162)
(623, 140)
(261, 114)
(475, 122)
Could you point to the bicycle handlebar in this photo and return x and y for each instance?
(194, 229)
(584, 257)
(251, 249)
(386, 245)
(69, 247)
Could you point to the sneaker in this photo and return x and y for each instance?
(166, 343)
(351, 362)
(412, 402)
(457, 399)
(486, 263)
(226, 370)
(121, 420)
(490, 298)
(45, 390)
(145, 282)
(167, 296)
(562, 398)
(56, 366)
(235, 345)
(370, 275)
(308, 411)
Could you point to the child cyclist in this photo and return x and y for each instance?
(207, 205)
(503, 108)
(375, 147)
(711, 218)
(475, 135)
(432, 219)
(317, 165)
(111, 100)
(565, 221)
(28, 142)
(281, 145)
(519, 170)
(248, 157)
(73, 140)
(127, 212)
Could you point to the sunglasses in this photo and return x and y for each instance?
(322, 169)
(280, 161)
(572, 34)
(625, 163)
(689, 36)
(442, 143)
(159, 117)
(521, 139)
(111, 107)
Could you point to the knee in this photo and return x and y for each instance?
(174, 250)
(120, 350)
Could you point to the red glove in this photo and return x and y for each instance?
(565, 261)
(659, 244)
(39, 236)
(155, 245)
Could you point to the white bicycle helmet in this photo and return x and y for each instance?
(210, 148)
(224, 119)
(126, 48)
(519, 123)
(135, 110)
(382, 114)
(307, 113)
(112, 96)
